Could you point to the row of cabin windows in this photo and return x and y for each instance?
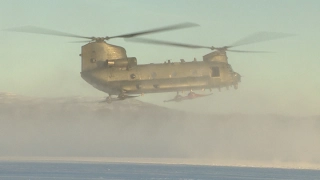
(215, 72)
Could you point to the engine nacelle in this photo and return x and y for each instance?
(216, 56)
(95, 54)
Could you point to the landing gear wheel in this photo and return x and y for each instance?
(235, 86)
(109, 99)
(121, 96)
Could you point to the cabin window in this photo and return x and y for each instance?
(174, 74)
(154, 75)
(195, 72)
(215, 72)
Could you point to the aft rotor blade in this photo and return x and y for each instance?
(167, 28)
(240, 51)
(260, 37)
(168, 43)
(39, 30)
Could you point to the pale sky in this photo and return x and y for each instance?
(285, 82)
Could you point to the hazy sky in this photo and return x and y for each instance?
(285, 82)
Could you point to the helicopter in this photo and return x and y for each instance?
(108, 68)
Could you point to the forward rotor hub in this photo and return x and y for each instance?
(99, 39)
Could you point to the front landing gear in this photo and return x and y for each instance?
(109, 99)
(235, 86)
(122, 96)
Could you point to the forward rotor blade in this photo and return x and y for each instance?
(153, 41)
(240, 51)
(260, 37)
(80, 42)
(167, 28)
(39, 30)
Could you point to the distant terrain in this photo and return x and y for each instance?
(78, 127)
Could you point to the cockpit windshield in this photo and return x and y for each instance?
(230, 68)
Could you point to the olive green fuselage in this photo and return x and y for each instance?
(117, 73)
(168, 77)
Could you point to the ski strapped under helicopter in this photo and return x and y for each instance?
(110, 99)
(190, 96)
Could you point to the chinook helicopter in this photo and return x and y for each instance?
(107, 68)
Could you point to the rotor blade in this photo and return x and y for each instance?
(79, 41)
(167, 28)
(39, 30)
(153, 41)
(260, 37)
(240, 51)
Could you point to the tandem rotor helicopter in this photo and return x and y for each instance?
(107, 68)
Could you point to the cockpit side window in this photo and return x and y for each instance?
(215, 72)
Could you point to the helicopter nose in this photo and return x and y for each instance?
(237, 77)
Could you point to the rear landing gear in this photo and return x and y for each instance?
(178, 96)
